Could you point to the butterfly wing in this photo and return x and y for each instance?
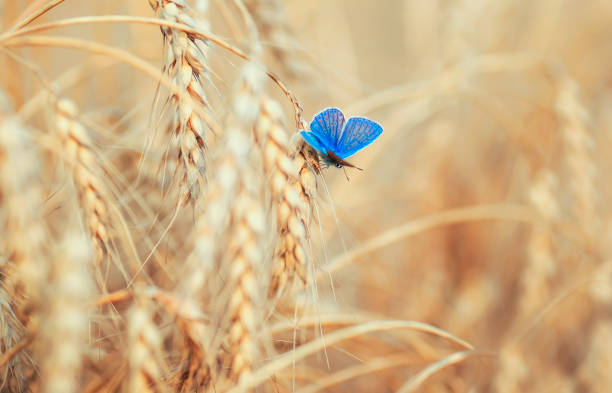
(314, 141)
(357, 134)
(327, 125)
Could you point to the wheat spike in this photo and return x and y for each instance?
(512, 372)
(288, 204)
(145, 354)
(231, 231)
(273, 25)
(195, 371)
(66, 318)
(23, 264)
(12, 332)
(185, 64)
(574, 120)
(595, 370)
(87, 175)
(540, 259)
(245, 254)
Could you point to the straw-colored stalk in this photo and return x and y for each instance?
(66, 319)
(185, 64)
(288, 206)
(87, 175)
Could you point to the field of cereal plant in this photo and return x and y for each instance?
(164, 227)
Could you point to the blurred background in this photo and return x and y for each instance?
(484, 207)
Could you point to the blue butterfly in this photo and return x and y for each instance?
(335, 140)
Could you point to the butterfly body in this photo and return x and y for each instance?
(332, 159)
(335, 139)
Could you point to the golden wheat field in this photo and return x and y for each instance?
(165, 228)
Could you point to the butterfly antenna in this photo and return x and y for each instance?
(346, 174)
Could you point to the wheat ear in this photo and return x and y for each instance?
(185, 64)
(245, 254)
(87, 175)
(574, 120)
(23, 262)
(594, 370)
(288, 204)
(66, 319)
(195, 369)
(540, 259)
(230, 235)
(145, 354)
(273, 24)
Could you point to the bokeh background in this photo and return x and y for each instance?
(483, 209)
